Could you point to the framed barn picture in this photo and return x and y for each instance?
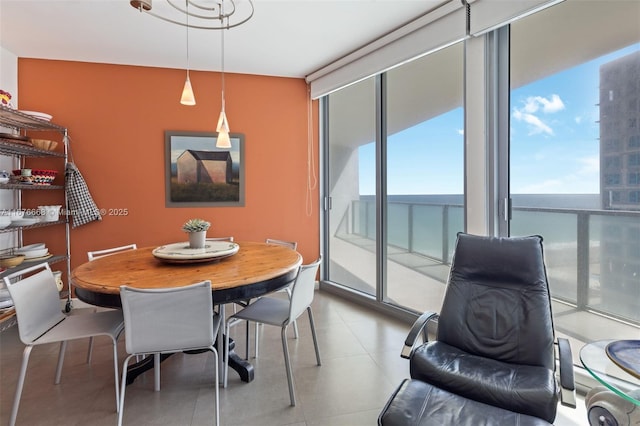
(198, 174)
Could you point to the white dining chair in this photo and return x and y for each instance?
(79, 304)
(168, 320)
(41, 321)
(281, 312)
(293, 245)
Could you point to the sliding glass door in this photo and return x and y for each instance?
(574, 150)
(395, 158)
(424, 176)
(351, 187)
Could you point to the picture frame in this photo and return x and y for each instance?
(198, 174)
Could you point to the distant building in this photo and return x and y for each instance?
(620, 133)
(204, 167)
(619, 268)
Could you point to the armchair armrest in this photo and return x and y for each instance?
(417, 328)
(567, 380)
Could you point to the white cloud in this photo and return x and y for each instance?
(460, 132)
(578, 119)
(549, 106)
(534, 104)
(535, 125)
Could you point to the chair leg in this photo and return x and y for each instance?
(256, 339)
(225, 370)
(123, 387)
(156, 371)
(90, 350)
(216, 385)
(63, 347)
(295, 324)
(221, 341)
(313, 333)
(246, 352)
(23, 372)
(287, 364)
(115, 373)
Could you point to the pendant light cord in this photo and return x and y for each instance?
(222, 62)
(186, 3)
(312, 180)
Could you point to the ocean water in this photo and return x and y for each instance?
(552, 201)
(420, 223)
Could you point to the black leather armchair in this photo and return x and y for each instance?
(495, 341)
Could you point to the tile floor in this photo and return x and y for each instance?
(360, 368)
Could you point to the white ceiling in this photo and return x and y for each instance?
(284, 38)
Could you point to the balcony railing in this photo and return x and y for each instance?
(592, 256)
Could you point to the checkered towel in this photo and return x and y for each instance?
(81, 206)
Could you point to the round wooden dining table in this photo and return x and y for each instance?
(255, 270)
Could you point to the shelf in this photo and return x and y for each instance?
(22, 187)
(12, 148)
(28, 263)
(13, 118)
(35, 225)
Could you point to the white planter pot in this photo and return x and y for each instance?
(197, 239)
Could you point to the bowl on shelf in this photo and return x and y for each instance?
(4, 179)
(32, 253)
(39, 176)
(33, 246)
(11, 260)
(44, 144)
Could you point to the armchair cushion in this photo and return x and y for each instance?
(420, 404)
(520, 388)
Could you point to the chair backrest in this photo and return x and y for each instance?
(291, 244)
(497, 302)
(167, 319)
(303, 289)
(220, 239)
(36, 300)
(99, 253)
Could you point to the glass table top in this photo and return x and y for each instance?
(595, 359)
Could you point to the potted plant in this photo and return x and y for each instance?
(197, 230)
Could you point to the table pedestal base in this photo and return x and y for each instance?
(242, 367)
(605, 408)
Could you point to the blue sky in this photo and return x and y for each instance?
(554, 141)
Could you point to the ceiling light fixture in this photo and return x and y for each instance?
(209, 15)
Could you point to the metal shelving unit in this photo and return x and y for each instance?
(23, 123)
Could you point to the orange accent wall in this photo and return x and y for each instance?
(116, 117)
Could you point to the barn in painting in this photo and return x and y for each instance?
(204, 167)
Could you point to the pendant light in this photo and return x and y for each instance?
(188, 98)
(223, 140)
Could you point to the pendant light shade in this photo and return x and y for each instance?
(223, 140)
(222, 128)
(223, 124)
(188, 98)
